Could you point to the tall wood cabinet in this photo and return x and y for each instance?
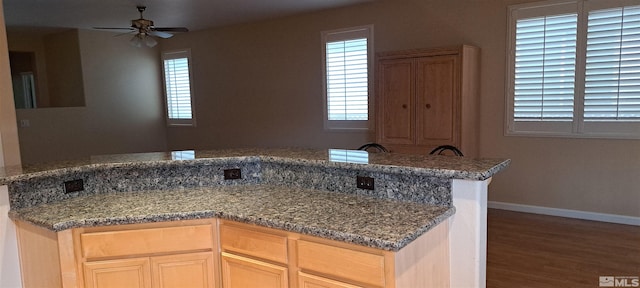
(427, 98)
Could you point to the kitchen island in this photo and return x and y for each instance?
(296, 193)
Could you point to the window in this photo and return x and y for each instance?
(574, 69)
(347, 73)
(178, 90)
(183, 155)
(349, 156)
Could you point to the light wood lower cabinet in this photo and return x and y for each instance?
(253, 252)
(365, 267)
(167, 254)
(181, 270)
(175, 256)
(222, 254)
(253, 256)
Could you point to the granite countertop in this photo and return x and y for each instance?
(438, 166)
(379, 223)
(309, 191)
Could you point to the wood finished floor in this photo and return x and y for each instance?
(530, 250)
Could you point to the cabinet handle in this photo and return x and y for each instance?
(428, 106)
(404, 106)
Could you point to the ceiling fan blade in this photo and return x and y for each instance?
(125, 33)
(160, 34)
(113, 28)
(171, 29)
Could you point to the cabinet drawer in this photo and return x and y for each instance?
(253, 243)
(146, 241)
(308, 280)
(341, 262)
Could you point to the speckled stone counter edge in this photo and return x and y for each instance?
(436, 166)
(342, 236)
(262, 169)
(270, 223)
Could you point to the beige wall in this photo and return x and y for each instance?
(62, 53)
(260, 85)
(9, 156)
(9, 147)
(123, 113)
(57, 59)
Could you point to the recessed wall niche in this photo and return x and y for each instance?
(46, 67)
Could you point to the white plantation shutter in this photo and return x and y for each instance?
(349, 156)
(178, 87)
(574, 69)
(347, 62)
(347, 80)
(612, 76)
(545, 55)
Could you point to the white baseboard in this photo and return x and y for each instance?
(611, 218)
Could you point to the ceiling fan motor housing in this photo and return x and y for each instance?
(141, 24)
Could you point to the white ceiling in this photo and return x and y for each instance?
(193, 14)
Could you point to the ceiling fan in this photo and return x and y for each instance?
(144, 29)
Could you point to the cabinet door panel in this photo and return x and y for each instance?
(436, 100)
(241, 272)
(123, 273)
(395, 124)
(312, 281)
(184, 270)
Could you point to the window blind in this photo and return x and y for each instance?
(545, 63)
(347, 79)
(178, 89)
(349, 156)
(612, 73)
(183, 155)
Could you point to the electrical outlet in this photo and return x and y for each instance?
(230, 174)
(73, 186)
(365, 182)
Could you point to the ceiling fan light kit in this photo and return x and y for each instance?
(138, 39)
(145, 31)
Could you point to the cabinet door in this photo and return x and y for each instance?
(396, 101)
(241, 272)
(122, 273)
(312, 281)
(437, 99)
(183, 270)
